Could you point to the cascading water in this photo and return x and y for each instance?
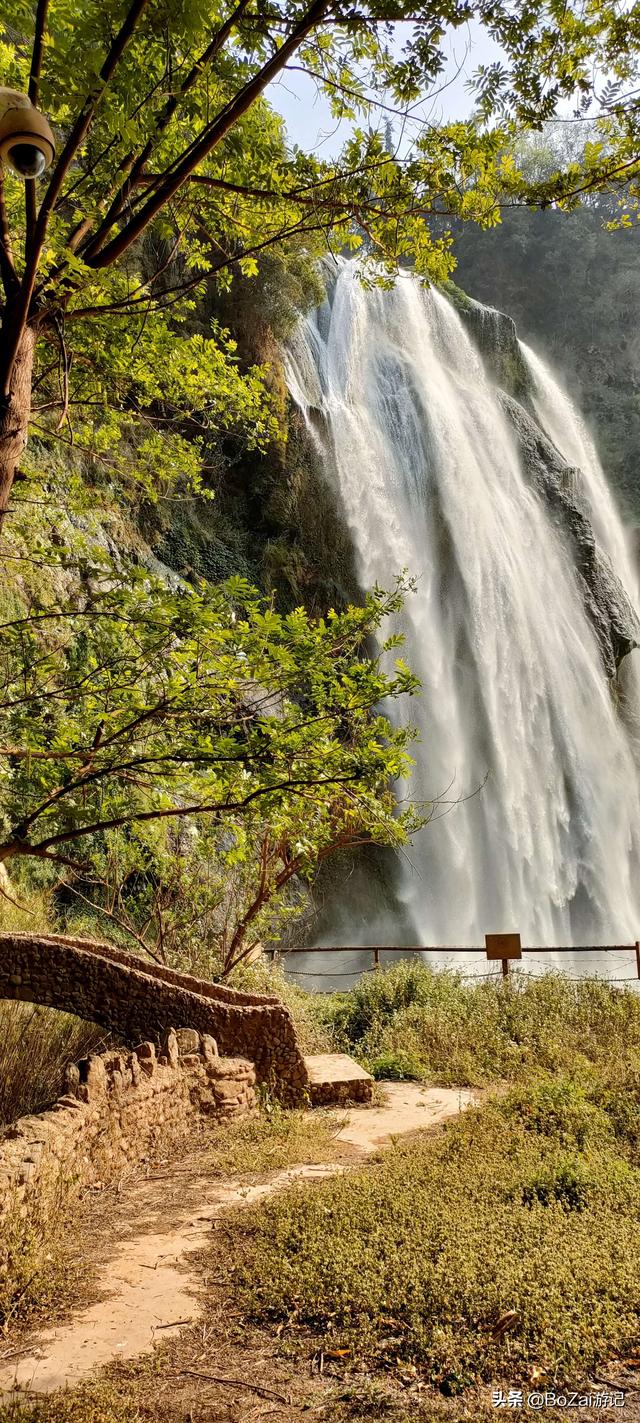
(521, 737)
(563, 424)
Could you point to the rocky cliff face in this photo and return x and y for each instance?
(495, 335)
(555, 481)
(559, 485)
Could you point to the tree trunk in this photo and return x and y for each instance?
(15, 410)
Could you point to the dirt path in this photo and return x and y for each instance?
(151, 1279)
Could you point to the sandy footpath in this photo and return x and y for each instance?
(150, 1284)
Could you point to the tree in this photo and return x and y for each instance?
(130, 708)
(172, 168)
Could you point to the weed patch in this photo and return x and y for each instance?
(35, 1260)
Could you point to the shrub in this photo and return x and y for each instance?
(471, 1034)
(397, 1067)
(567, 1182)
(559, 1109)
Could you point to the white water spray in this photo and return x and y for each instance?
(565, 427)
(517, 720)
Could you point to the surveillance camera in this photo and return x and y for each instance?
(27, 144)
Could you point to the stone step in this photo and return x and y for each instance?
(334, 1077)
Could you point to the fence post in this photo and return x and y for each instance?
(376, 959)
(638, 956)
(503, 947)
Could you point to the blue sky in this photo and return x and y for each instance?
(309, 120)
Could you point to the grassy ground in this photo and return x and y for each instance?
(270, 1142)
(502, 1251)
(39, 1269)
(509, 1244)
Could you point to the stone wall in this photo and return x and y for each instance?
(119, 1108)
(136, 1000)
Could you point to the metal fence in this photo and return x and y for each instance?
(502, 949)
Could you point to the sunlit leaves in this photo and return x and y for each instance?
(132, 698)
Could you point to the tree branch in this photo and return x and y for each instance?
(84, 119)
(209, 139)
(15, 847)
(7, 269)
(137, 165)
(34, 94)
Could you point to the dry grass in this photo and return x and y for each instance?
(40, 1265)
(36, 1045)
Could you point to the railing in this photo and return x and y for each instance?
(502, 948)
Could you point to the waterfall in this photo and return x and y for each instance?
(564, 425)
(523, 749)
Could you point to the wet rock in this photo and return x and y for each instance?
(495, 335)
(559, 485)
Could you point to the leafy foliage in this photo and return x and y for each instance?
(173, 172)
(187, 753)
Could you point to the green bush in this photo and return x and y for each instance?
(397, 1067)
(467, 1034)
(568, 1182)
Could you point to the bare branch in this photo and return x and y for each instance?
(120, 923)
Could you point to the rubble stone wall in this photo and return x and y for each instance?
(118, 1110)
(135, 1000)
